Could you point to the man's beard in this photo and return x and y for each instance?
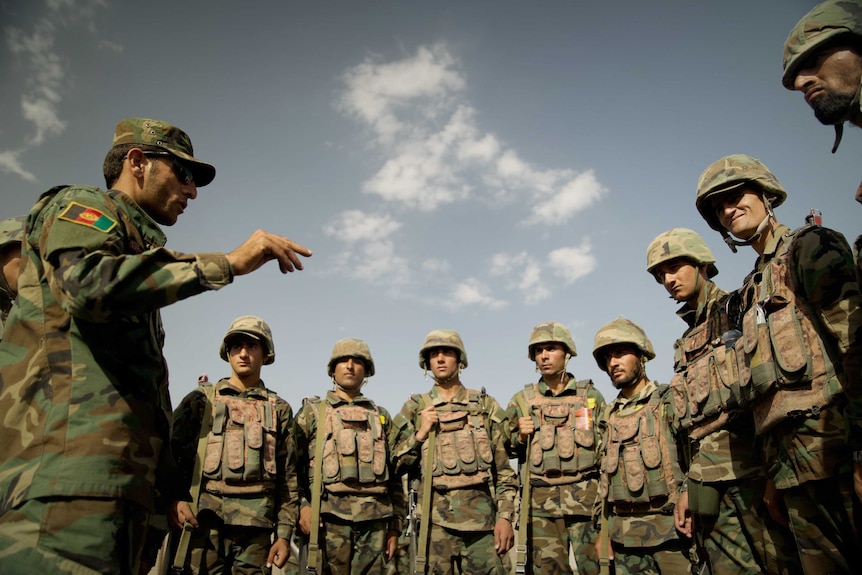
(832, 108)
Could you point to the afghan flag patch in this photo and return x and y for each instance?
(90, 217)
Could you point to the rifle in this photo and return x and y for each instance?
(412, 530)
(299, 549)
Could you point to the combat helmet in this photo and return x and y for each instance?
(254, 327)
(680, 243)
(824, 23)
(351, 347)
(551, 331)
(619, 331)
(11, 231)
(443, 338)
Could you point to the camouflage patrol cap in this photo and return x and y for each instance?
(253, 327)
(823, 24)
(680, 243)
(12, 231)
(732, 172)
(620, 331)
(443, 338)
(351, 347)
(171, 138)
(551, 332)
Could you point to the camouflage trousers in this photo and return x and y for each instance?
(550, 539)
(742, 539)
(671, 558)
(465, 552)
(349, 547)
(75, 536)
(216, 548)
(821, 517)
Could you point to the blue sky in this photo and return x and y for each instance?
(480, 166)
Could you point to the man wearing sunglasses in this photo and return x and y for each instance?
(83, 382)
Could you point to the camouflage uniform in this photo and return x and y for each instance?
(561, 502)
(11, 232)
(640, 469)
(354, 524)
(724, 456)
(800, 322)
(84, 384)
(462, 519)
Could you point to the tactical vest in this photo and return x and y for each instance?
(790, 366)
(712, 376)
(464, 456)
(354, 452)
(241, 445)
(564, 443)
(640, 470)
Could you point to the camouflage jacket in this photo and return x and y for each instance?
(276, 508)
(469, 508)
(84, 384)
(631, 528)
(351, 507)
(732, 452)
(822, 275)
(567, 499)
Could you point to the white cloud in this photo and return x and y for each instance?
(523, 274)
(473, 292)
(9, 162)
(355, 225)
(577, 194)
(572, 263)
(435, 266)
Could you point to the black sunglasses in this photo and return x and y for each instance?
(181, 171)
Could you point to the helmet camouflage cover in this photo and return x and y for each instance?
(351, 347)
(11, 231)
(732, 172)
(254, 327)
(620, 331)
(823, 24)
(443, 338)
(680, 243)
(551, 331)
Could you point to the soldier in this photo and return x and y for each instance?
(11, 232)
(823, 60)
(454, 438)
(358, 500)
(800, 322)
(641, 474)
(725, 477)
(246, 478)
(83, 382)
(553, 433)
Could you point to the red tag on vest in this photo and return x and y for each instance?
(583, 419)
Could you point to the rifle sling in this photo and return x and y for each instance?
(316, 489)
(427, 479)
(526, 503)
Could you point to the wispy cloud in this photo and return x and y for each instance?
(370, 252)
(473, 292)
(46, 74)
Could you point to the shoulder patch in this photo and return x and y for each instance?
(591, 402)
(90, 217)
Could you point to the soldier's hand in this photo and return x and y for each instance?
(305, 519)
(262, 247)
(774, 503)
(429, 420)
(504, 536)
(857, 480)
(278, 553)
(526, 428)
(179, 512)
(391, 544)
(682, 515)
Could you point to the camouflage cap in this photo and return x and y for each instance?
(443, 338)
(732, 172)
(824, 23)
(680, 243)
(553, 332)
(254, 327)
(620, 331)
(351, 347)
(171, 138)
(12, 230)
